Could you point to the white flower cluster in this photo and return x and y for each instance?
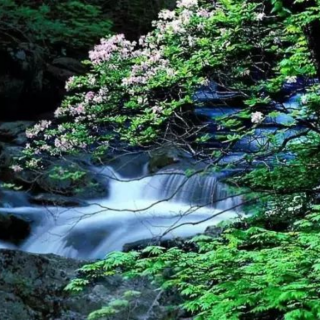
(257, 117)
(187, 3)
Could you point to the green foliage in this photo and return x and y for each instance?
(252, 273)
(138, 95)
(74, 24)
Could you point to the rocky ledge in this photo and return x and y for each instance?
(32, 288)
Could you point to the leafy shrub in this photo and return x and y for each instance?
(74, 24)
(134, 93)
(246, 274)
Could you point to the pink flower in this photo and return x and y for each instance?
(257, 117)
(260, 16)
(107, 48)
(167, 15)
(69, 83)
(16, 168)
(156, 109)
(89, 96)
(187, 3)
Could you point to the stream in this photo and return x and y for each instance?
(141, 206)
(138, 208)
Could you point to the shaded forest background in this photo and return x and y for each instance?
(42, 44)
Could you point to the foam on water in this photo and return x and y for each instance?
(135, 209)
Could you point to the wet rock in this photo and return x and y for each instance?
(69, 178)
(128, 165)
(32, 288)
(13, 229)
(12, 199)
(213, 231)
(5, 157)
(166, 243)
(163, 157)
(14, 131)
(31, 81)
(84, 242)
(57, 200)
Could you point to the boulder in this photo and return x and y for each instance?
(13, 228)
(12, 199)
(31, 81)
(49, 199)
(32, 288)
(71, 64)
(69, 178)
(128, 165)
(213, 231)
(5, 157)
(182, 243)
(163, 157)
(14, 131)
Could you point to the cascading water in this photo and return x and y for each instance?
(136, 209)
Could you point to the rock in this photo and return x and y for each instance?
(59, 74)
(14, 131)
(163, 157)
(32, 288)
(166, 243)
(68, 178)
(13, 229)
(70, 64)
(213, 231)
(128, 165)
(5, 157)
(12, 199)
(21, 80)
(57, 200)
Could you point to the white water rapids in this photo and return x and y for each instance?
(135, 209)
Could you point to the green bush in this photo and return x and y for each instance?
(247, 274)
(72, 24)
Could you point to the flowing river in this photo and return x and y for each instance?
(138, 208)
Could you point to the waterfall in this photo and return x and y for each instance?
(135, 209)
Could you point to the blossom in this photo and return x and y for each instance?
(45, 147)
(98, 99)
(176, 26)
(78, 109)
(92, 80)
(304, 99)
(16, 168)
(260, 16)
(39, 127)
(170, 72)
(257, 117)
(107, 49)
(187, 3)
(33, 163)
(59, 112)
(291, 79)
(69, 83)
(203, 13)
(63, 144)
(167, 15)
(156, 109)
(89, 96)
(205, 82)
